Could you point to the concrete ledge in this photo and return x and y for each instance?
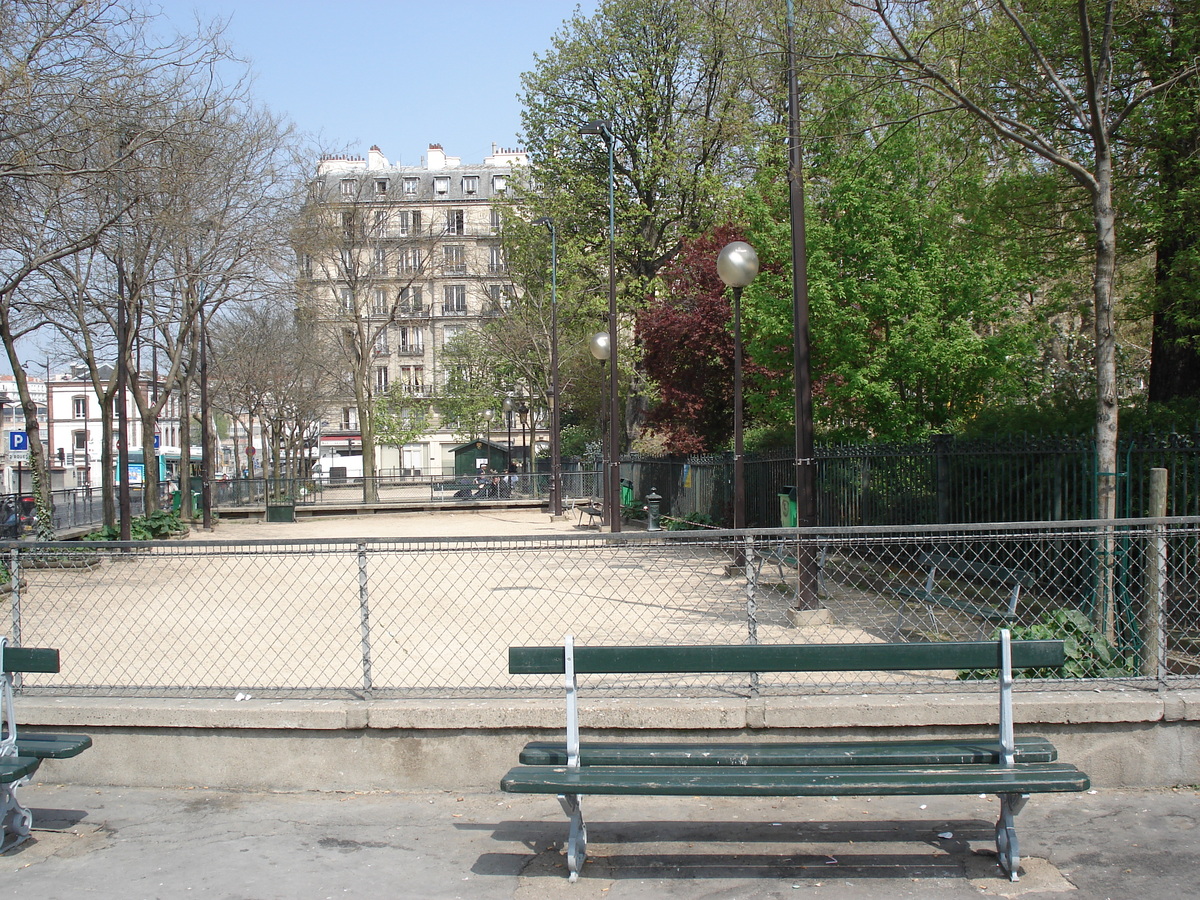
(1128, 739)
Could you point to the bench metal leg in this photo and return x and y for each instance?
(1007, 846)
(577, 837)
(15, 820)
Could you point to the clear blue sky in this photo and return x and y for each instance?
(400, 74)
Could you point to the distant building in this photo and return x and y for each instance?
(419, 260)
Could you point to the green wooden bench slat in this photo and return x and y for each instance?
(786, 657)
(30, 659)
(15, 767)
(51, 746)
(818, 753)
(800, 781)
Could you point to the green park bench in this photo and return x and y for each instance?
(971, 575)
(22, 752)
(1009, 767)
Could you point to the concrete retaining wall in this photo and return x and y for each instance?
(1125, 739)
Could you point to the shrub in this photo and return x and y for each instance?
(1089, 653)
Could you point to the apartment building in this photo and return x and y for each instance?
(412, 259)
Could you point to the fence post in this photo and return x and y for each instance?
(941, 447)
(1154, 647)
(364, 617)
(14, 573)
(752, 571)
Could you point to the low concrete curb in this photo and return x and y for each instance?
(1127, 739)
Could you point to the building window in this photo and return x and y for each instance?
(380, 347)
(380, 306)
(412, 340)
(454, 299)
(381, 222)
(79, 407)
(409, 260)
(441, 184)
(412, 300)
(496, 259)
(381, 379)
(349, 419)
(79, 440)
(470, 184)
(455, 259)
(450, 332)
(348, 185)
(411, 185)
(381, 186)
(347, 301)
(497, 219)
(499, 184)
(348, 224)
(412, 380)
(410, 222)
(379, 261)
(455, 221)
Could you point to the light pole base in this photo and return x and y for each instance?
(809, 618)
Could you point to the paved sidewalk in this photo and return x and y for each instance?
(125, 844)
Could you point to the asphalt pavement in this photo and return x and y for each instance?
(123, 843)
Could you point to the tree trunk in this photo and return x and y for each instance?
(1106, 391)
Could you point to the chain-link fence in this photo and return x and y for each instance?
(434, 618)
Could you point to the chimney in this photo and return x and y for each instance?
(437, 157)
(376, 159)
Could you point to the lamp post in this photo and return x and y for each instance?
(523, 412)
(488, 415)
(556, 508)
(507, 406)
(737, 264)
(806, 509)
(612, 496)
(599, 347)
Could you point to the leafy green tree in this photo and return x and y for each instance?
(913, 320)
(1060, 83)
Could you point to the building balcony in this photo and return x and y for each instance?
(455, 311)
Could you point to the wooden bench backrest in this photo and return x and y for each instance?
(30, 659)
(786, 657)
(952, 566)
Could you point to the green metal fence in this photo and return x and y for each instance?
(941, 481)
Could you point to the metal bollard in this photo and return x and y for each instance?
(652, 502)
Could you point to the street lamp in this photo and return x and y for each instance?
(507, 405)
(488, 415)
(523, 412)
(737, 264)
(612, 498)
(556, 507)
(599, 347)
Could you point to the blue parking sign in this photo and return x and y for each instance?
(18, 440)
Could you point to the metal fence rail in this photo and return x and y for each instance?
(401, 618)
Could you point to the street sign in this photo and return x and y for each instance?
(250, 451)
(157, 441)
(18, 446)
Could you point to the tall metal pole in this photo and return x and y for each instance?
(806, 510)
(556, 505)
(205, 433)
(123, 497)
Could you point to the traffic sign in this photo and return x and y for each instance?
(18, 446)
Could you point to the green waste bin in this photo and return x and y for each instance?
(787, 507)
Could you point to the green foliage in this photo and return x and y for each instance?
(155, 527)
(400, 418)
(574, 440)
(1089, 653)
(913, 315)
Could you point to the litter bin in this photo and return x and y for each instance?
(787, 507)
(627, 495)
